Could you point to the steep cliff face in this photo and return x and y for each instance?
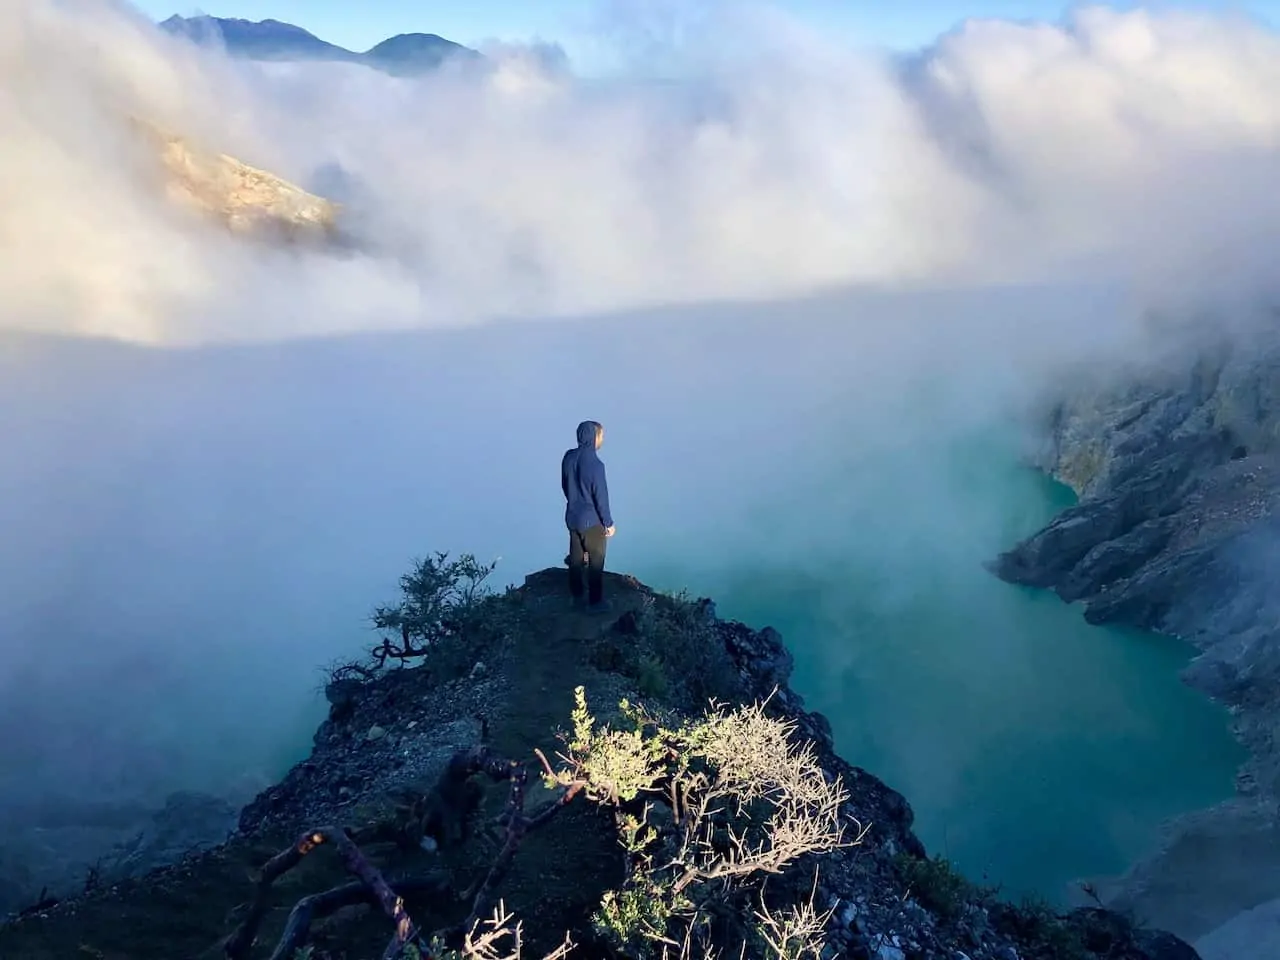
(1176, 530)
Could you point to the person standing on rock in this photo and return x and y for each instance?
(586, 513)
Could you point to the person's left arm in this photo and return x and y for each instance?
(600, 495)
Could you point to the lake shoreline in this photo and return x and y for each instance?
(1032, 721)
(1178, 475)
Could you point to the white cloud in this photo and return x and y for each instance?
(1132, 142)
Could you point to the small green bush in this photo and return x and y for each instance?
(675, 654)
(439, 599)
(651, 678)
(938, 886)
(446, 617)
(706, 809)
(1047, 936)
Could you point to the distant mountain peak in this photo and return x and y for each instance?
(425, 50)
(405, 53)
(415, 39)
(237, 23)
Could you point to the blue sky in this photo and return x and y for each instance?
(358, 26)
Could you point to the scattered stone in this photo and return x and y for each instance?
(847, 916)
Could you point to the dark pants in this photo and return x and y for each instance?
(592, 543)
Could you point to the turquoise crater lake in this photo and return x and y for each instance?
(1035, 749)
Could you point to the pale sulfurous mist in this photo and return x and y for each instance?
(814, 293)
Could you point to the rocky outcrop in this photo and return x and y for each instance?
(245, 199)
(1176, 530)
(390, 736)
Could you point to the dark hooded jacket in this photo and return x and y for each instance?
(582, 479)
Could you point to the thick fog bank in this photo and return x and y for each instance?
(190, 535)
(1131, 145)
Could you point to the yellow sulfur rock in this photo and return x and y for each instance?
(244, 198)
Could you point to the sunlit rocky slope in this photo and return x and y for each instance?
(244, 198)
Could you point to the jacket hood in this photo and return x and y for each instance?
(587, 430)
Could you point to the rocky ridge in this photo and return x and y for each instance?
(1177, 469)
(390, 736)
(246, 200)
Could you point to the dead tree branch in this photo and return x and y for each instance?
(239, 943)
(564, 797)
(517, 826)
(371, 887)
(320, 905)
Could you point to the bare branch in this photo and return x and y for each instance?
(371, 885)
(747, 800)
(516, 828)
(484, 945)
(797, 932)
(320, 905)
(238, 944)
